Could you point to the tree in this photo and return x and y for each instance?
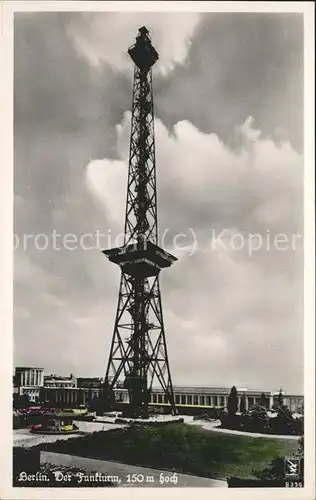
(21, 401)
(232, 405)
(106, 399)
(280, 399)
(243, 404)
(15, 399)
(263, 401)
(89, 396)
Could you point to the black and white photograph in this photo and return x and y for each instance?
(159, 331)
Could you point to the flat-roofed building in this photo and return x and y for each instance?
(81, 391)
(69, 396)
(89, 382)
(60, 382)
(28, 381)
(209, 396)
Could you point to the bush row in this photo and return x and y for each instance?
(258, 420)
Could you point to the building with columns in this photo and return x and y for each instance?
(72, 391)
(189, 397)
(208, 396)
(68, 397)
(29, 377)
(28, 380)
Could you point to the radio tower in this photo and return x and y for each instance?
(138, 351)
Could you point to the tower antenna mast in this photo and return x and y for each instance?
(138, 350)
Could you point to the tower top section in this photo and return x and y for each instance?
(142, 52)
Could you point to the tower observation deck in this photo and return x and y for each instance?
(138, 353)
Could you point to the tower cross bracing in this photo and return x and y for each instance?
(138, 352)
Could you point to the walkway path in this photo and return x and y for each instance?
(213, 426)
(23, 437)
(130, 475)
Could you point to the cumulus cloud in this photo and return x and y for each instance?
(104, 37)
(106, 176)
(224, 304)
(230, 318)
(255, 188)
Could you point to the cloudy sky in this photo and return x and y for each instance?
(229, 145)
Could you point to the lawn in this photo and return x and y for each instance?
(181, 447)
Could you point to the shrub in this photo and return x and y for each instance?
(233, 422)
(275, 471)
(256, 420)
(301, 445)
(201, 416)
(215, 413)
(284, 423)
(299, 426)
(181, 447)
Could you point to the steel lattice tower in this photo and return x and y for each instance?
(138, 350)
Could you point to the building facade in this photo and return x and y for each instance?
(198, 397)
(55, 381)
(89, 382)
(72, 391)
(70, 397)
(208, 397)
(28, 381)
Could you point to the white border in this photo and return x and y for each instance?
(6, 260)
